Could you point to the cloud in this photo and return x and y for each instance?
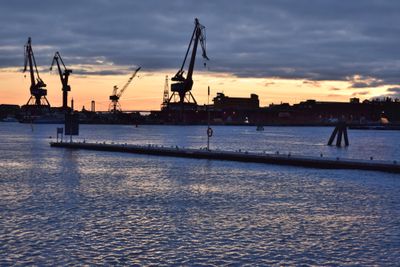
(360, 85)
(335, 95)
(393, 93)
(394, 90)
(268, 84)
(360, 81)
(367, 84)
(312, 83)
(362, 93)
(98, 72)
(312, 40)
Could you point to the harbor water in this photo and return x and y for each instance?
(76, 207)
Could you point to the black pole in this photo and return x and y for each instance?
(346, 138)
(339, 136)
(208, 119)
(333, 135)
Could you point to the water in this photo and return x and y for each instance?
(76, 207)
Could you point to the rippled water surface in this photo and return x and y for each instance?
(60, 207)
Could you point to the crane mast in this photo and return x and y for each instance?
(165, 94)
(183, 85)
(64, 75)
(38, 93)
(114, 104)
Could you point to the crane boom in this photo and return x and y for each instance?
(30, 58)
(114, 104)
(183, 84)
(200, 36)
(128, 82)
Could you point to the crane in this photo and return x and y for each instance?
(38, 93)
(182, 85)
(114, 104)
(165, 94)
(64, 75)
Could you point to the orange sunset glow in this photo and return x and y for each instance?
(145, 92)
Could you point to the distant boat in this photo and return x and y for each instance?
(260, 128)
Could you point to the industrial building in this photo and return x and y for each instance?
(222, 102)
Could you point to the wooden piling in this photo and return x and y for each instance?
(339, 132)
(346, 138)
(333, 135)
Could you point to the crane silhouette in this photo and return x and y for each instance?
(115, 106)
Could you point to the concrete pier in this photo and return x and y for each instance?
(281, 159)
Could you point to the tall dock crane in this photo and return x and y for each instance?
(183, 86)
(64, 75)
(165, 94)
(114, 104)
(38, 93)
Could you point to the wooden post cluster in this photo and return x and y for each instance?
(339, 131)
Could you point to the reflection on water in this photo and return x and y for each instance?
(77, 207)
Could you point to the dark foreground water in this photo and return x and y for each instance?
(63, 207)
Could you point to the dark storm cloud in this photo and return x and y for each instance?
(310, 39)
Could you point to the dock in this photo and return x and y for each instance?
(242, 156)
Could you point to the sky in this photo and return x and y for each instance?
(282, 50)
